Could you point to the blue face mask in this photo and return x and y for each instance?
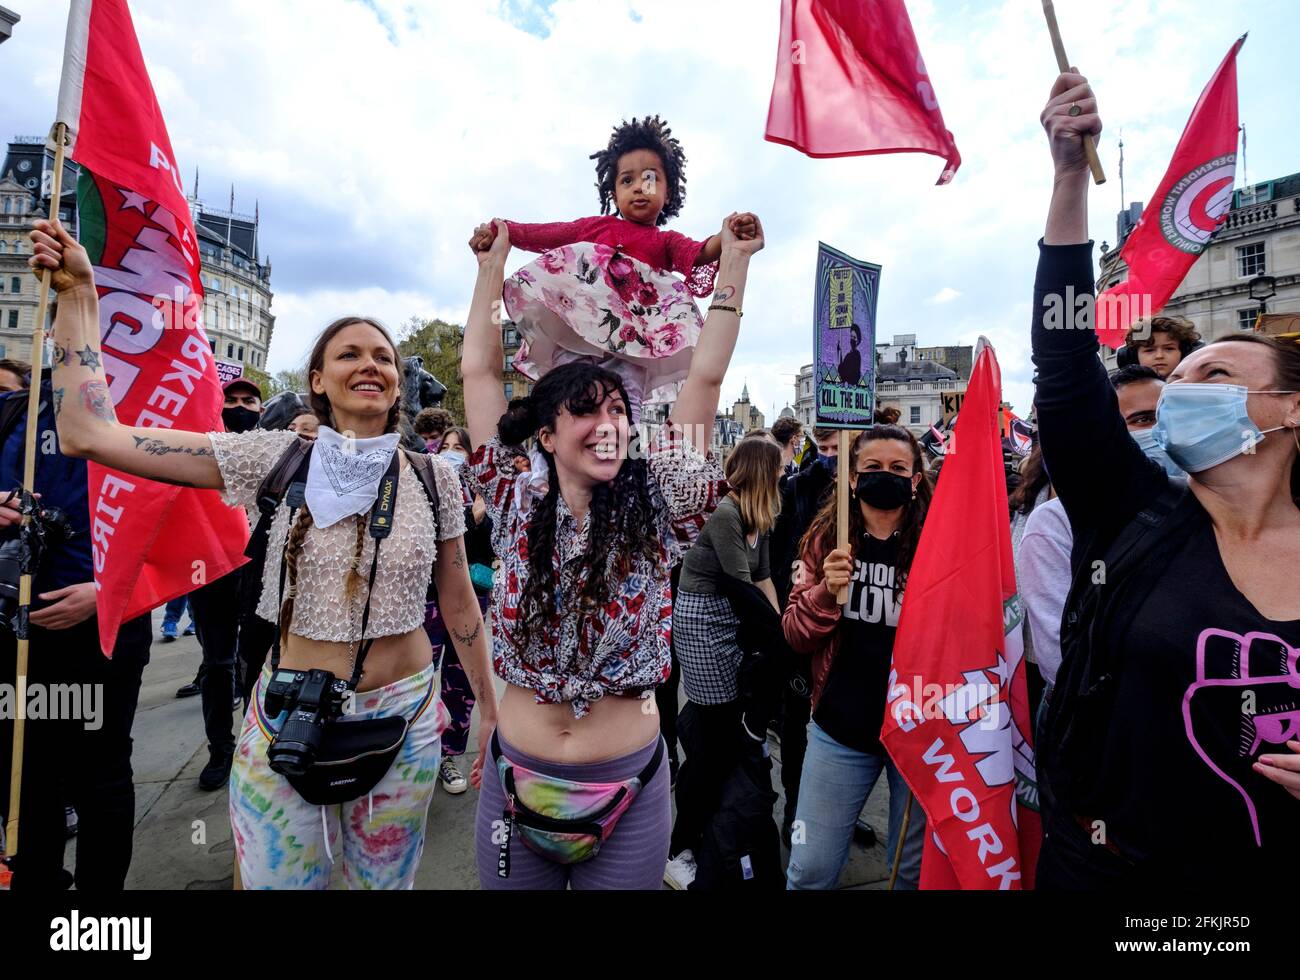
(828, 463)
(1146, 440)
(1203, 425)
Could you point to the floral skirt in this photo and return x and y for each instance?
(591, 301)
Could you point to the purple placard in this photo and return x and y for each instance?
(844, 318)
(228, 372)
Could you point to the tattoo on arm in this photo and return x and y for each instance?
(724, 294)
(96, 400)
(89, 357)
(468, 637)
(58, 401)
(156, 447)
(59, 357)
(458, 559)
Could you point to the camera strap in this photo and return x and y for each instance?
(382, 516)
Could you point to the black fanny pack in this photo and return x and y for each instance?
(353, 757)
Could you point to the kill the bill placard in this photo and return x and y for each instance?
(844, 317)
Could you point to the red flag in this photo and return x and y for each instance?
(150, 542)
(958, 725)
(850, 81)
(1187, 208)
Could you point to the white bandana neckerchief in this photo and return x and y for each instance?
(344, 475)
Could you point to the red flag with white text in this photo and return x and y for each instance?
(957, 723)
(150, 542)
(850, 81)
(1186, 210)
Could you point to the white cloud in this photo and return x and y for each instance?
(377, 133)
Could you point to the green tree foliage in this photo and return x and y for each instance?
(283, 381)
(439, 344)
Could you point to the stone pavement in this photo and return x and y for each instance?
(182, 834)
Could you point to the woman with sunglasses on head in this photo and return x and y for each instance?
(1169, 752)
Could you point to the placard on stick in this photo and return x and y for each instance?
(844, 318)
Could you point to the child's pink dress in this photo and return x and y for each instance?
(604, 289)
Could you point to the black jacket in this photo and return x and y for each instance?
(802, 495)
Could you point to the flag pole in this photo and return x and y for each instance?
(29, 479)
(1062, 62)
(902, 836)
(842, 506)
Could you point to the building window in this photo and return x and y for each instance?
(4, 247)
(15, 285)
(13, 319)
(1246, 319)
(230, 350)
(1250, 260)
(916, 415)
(241, 352)
(510, 391)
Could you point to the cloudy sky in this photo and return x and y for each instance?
(376, 133)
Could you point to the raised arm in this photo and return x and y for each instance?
(483, 357)
(697, 404)
(87, 423)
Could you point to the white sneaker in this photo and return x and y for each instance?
(680, 871)
(449, 774)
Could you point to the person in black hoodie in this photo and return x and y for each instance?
(1167, 754)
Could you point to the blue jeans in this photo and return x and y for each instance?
(175, 610)
(835, 784)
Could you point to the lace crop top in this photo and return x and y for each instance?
(406, 556)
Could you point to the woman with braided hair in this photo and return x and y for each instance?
(603, 289)
(345, 596)
(582, 607)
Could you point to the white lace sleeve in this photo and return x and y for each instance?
(451, 501)
(245, 458)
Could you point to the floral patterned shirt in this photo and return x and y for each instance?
(667, 251)
(623, 649)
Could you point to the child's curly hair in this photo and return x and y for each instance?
(653, 134)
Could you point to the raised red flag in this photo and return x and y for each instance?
(1187, 208)
(957, 723)
(150, 542)
(850, 81)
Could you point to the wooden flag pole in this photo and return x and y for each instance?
(29, 478)
(1063, 63)
(902, 836)
(842, 498)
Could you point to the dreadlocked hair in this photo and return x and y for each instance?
(624, 512)
(324, 412)
(653, 134)
(822, 533)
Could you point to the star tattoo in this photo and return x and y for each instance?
(89, 357)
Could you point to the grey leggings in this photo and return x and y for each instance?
(634, 856)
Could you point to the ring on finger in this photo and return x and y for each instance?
(1075, 110)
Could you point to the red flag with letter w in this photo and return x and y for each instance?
(850, 80)
(957, 723)
(150, 542)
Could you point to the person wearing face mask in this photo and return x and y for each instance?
(851, 647)
(214, 611)
(1043, 559)
(1174, 708)
(456, 692)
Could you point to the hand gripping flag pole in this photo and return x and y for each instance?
(30, 529)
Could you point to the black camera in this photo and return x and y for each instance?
(312, 698)
(21, 554)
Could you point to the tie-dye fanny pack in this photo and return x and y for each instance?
(562, 820)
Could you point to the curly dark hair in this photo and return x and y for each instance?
(653, 134)
(625, 513)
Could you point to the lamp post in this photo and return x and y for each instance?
(1262, 289)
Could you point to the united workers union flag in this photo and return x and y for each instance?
(957, 723)
(850, 80)
(150, 542)
(1186, 210)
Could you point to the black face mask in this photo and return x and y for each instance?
(884, 491)
(239, 419)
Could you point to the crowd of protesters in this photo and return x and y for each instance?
(594, 572)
